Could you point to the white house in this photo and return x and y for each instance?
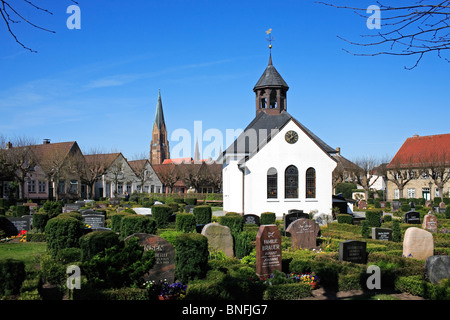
(277, 164)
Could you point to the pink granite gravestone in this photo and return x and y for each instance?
(268, 250)
(430, 223)
(303, 234)
(418, 244)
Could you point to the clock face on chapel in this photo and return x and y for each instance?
(291, 136)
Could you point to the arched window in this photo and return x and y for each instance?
(291, 182)
(272, 185)
(311, 183)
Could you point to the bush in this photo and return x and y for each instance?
(170, 235)
(173, 207)
(243, 244)
(52, 270)
(161, 214)
(32, 236)
(374, 218)
(396, 232)
(418, 287)
(234, 221)
(447, 212)
(365, 229)
(345, 218)
(405, 207)
(287, 291)
(69, 255)
(203, 214)
(39, 221)
(97, 241)
(191, 256)
(267, 218)
(53, 208)
(63, 232)
(122, 294)
(387, 218)
(21, 211)
(191, 201)
(12, 275)
(185, 222)
(116, 220)
(134, 223)
(119, 266)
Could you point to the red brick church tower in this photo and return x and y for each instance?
(159, 146)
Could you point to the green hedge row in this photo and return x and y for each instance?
(203, 214)
(415, 285)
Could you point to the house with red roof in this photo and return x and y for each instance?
(420, 168)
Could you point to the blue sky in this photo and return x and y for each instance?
(99, 85)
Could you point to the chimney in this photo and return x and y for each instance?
(415, 136)
(46, 141)
(338, 149)
(8, 145)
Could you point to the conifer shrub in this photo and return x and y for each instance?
(191, 256)
(396, 232)
(63, 232)
(40, 221)
(134, 223)
(365, 229)
(374, 218)
(267, 218)
(21, 211)
(203, 214)
(185, 222)
(116, 220)
(12, 273)
(97, 241)
(234, 221)
(161, 214)
(345, 218)
(190, 201)
(243, 244)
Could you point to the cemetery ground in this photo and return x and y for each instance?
(114, 263)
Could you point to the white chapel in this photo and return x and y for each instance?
(277, 164)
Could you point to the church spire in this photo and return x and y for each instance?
(159, 146)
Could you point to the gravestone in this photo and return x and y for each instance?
(428, 204)
(412, 217)
(95, 221)
(304, 234)
(384, 234)
(292, 216)
(396, 205)
(442, 205)
(268, 249)
(16, 224)
(382, 204)
(362, 205)
(219, 238)
(189, 208)
(353, 251)
(437, 268)
(164, 267)
(143, 211)
(430, 222)
(69, 207)
(251, 219)
(418, 244)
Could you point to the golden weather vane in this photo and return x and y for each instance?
(270, 38)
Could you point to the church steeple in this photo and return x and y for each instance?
(159, 146)
(271, 90)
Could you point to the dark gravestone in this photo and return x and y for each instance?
(396, 205)
(437, 268)
(353, 251)
(303, 234)
(412, 217)
(251, 219)
(268, 250)
(16, 224)
(71, 207)
(189, 208)
(164, 267)
(292, 216)
(383, 234)
(95, 221)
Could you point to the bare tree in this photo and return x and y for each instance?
(169, 174)
(364, 173)
(399, 173)
(436, 166)
(413, 29)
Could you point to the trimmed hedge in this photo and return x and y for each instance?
(203, 214)
(97, 241)
(185, 222)
(134, 223)
(267, 218)
(110, 294)
(234, 221)
(21, 211)
(243, 244)
(418, 287)
(63, 232)
(116, 220)
(191, 201)
(12, 273)
(191, 256)
(374, 218)
(287, 291)
(161, 214)
(345, 218)
(40, 221)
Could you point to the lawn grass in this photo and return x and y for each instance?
(24, 251)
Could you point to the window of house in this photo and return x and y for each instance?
(411, 193)
(396, 194)
(129, 188)
(73, 189)
(272, 187)
(120, 188)
(291, 182)
(152, 189)
(31, 186)
(42, 186)
(61, 187)
(311, 183)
